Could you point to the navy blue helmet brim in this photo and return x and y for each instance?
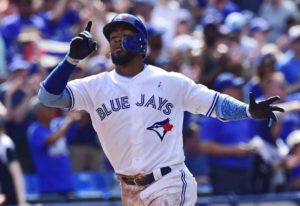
(108, 28)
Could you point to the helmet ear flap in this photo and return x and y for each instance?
(135, 43)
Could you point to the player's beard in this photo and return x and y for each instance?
(123, 59)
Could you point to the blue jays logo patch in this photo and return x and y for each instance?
(161, 128)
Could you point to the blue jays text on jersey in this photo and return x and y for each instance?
(121, 103)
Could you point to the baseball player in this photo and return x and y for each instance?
(137, 111)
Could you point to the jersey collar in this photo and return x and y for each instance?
(123, 79)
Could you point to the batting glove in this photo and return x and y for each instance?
(82, 45)
(264, 109)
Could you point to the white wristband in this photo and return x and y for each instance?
(72, 61)
(247, 111)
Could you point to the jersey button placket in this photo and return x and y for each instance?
(133, 90)
(132, 119)
(134, 95)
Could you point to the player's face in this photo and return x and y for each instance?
(116, 37)
(119, 55)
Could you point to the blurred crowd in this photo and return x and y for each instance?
(232, 46)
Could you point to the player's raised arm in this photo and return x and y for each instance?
(53, 90)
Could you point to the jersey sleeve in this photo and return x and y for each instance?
(198, 99)
(79, 91)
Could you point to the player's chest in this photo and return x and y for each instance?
(138, 103)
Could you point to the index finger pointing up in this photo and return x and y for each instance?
(88, 26)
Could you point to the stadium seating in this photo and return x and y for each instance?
(87, 185)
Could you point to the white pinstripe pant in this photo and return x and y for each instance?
(176, 188)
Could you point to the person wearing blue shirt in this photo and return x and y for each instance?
(84, 146)
(49, 150)
(276, 83)
(60, 18)
(15, 24)
(290, 66)
(292, 162)
(194, 158)
(268, 170)
(225, 144)
(291, 120)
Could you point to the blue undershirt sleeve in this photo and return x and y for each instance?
(53, 92)
(57, 80)
(229, 108)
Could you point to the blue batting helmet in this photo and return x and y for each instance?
(135, 43)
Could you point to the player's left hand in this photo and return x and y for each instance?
(264, 109)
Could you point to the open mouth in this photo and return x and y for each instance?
(119, 50)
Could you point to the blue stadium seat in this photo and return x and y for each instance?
(31, 186)
(86, 185)
(91, 184)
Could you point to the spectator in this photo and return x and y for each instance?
(275, 83)
(240, 47)
(109, 5)
(85, 150)
(155, 43)
(266, 65)
(282, 9)
(186, 48)
(290, 66)
(184, 23)
(223, 7)
(11, 177)
(195, 160)
(211, 56)
(293, 161)
(144, 8)
(15, 94)
(49, 149)
(163, 17)
(258, 30)
(15, 23)
(269, 164)
(229, 157)
(60, 17)
(6, 8)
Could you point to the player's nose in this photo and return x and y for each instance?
(117, 39)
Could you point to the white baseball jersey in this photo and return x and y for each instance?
(139, 119)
